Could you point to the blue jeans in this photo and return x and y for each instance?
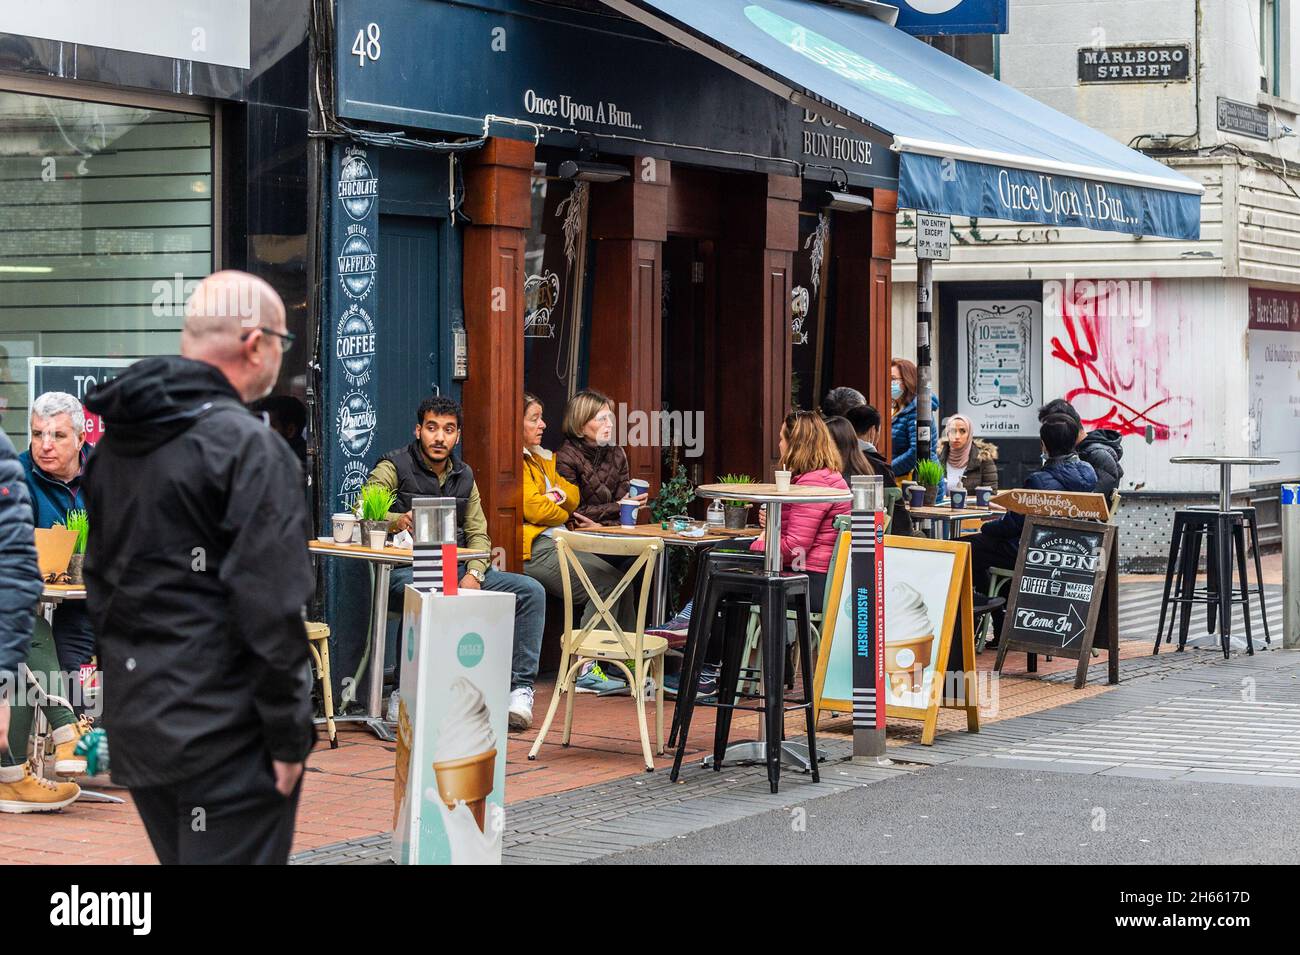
(530, 617)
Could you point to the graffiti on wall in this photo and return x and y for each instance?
(1118, 361)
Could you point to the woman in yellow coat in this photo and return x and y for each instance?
(549, 502)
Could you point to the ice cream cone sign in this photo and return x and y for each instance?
(1076, 505)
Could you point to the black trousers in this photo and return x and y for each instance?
(231, 814)
(986, 552)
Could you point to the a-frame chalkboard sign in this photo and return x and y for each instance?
(1064, 597)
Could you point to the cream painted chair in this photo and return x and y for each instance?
(318, 645)
(602, 639)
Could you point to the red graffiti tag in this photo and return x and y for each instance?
(1103, 384)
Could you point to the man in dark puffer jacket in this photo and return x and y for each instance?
(998, 542)
(1101, 448)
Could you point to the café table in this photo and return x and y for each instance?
(51, 596)
(945, 522)
(792, 754)
(671, 538)
(1225, 463)
(384, 560)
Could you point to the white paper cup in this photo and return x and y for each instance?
(782, 481)
(343, 524)
(377, 539)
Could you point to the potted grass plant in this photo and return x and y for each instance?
(929, 474)
(77, 521)
(374, 501)
(735, 513)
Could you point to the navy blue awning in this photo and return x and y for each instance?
(967, 144)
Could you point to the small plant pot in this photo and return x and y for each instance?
(75, 565)
(734, 518)
(931, 494)
(373, 528)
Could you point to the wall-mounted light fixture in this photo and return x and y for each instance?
(584, 171)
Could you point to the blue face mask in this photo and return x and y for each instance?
(895, 390)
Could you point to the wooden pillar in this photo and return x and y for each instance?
(499, 206)
(753, 362)
(629, 223)
(884, 223)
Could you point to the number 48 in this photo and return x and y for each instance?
(366, 46)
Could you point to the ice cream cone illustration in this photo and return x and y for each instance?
(403, 764)
(909, 639)
(469, 779)
(464, 762)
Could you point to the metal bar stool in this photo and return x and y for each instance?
(1223, 533)
(730, 594)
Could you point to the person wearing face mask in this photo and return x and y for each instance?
(197, 576)
(902, 426)
(589, 460)
(968, 461)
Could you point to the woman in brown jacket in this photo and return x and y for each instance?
(589, 459)
(966, 458)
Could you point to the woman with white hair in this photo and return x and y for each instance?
(54, 466)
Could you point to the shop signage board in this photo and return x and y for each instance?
(926, 598)
(1000, 366)
(951, 17)
(448, 66)
(450, 770)
(1076, 505)
(76, 376)
(1147, 63)
(1064, 596)
(350, 344)
(1274, 410)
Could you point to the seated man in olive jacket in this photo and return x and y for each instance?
(426, 468)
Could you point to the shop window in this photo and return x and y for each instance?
(105, 224)
(1270, 45)
(556, 260)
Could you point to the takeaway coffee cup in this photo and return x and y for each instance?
(983, 495)
(637, 487)
(343, 525)
(782, 482)
(916, 495)
(627, 512)
(957, 498)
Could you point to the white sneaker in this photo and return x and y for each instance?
(521, 708)
(394, 705)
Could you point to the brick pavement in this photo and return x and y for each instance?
(347, 795)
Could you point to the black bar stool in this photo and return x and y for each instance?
(1252, 528)
(711, 560)
(1222, 533)
(728, 595)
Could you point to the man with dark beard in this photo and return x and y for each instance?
(196, 574)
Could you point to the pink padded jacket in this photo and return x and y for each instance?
(809, 528)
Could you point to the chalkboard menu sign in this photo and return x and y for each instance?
(1063, 598)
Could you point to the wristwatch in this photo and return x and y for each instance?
(477, 574)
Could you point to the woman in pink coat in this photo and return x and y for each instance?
(809, 453)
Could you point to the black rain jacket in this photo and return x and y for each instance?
(20, 576)
(197, 573)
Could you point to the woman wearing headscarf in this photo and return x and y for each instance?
(967, 460)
